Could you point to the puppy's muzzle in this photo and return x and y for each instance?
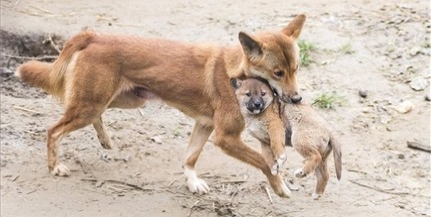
(255, 105)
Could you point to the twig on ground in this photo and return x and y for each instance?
(53, 44)
(172, 182)
(191, 208)
(233, 181)
(46, 57)
(140, 112)
(119, 182)
(419, 146)
(26, 109)
(378, 189)
(40, 9)
(269, 195)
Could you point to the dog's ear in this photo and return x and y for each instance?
(235, 83)
(295, 26)
(251, 47)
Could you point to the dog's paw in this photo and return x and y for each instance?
(198, 186)
(299, 173)
(105, 142)
(195, 184)
(316, 196)
(274, 169)
(60, 170)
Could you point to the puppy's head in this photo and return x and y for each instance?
(274, 56)
(254, 96)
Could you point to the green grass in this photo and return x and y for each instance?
(304, 52)
(328, 101)
(347, 48)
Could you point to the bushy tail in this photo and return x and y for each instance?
(336, 149)
(50, 76)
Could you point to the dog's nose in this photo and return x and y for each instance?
(258, 105)
(296, 99)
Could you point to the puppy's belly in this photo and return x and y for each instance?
(258, 130)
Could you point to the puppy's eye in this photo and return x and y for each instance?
(279, 73)
(248, 94)
(263, 93)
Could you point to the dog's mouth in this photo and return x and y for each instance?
(254, 111)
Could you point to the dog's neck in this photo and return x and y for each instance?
(233, 56)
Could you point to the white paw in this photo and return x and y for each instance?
(316, 196)
(60, 170)
(299, 173)
(195, 184)
(277, 164)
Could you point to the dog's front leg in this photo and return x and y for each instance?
(197, 141)
(228, 130)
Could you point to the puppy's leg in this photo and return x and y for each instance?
(276, 133)
(102, 134)
(228, 138)
(322, 176)
(76, 116)
(267, 154)
(312, 160)
(197, 141)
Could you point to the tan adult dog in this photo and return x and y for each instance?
(97, 71)
(312, 136)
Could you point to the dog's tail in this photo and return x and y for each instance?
(50, 76)
(336, 149)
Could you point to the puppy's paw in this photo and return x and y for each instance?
(60, 170)
(278, 163)
(299, 173)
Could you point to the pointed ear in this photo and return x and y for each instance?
(294, 27)
(235, 83)
(251, 47)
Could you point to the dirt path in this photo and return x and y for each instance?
(380, 47)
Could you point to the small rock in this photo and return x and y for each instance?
(157, 139)
(363, 93)
(401, 156)
(428, 95)
(405, 107)
(415, 51)
(419, 83)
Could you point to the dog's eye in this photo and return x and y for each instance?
(263, 93)
(248, 94)
(279, 73)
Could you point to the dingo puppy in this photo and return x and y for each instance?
(99, 71)
(311, 135)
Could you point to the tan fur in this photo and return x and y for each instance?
(98, 71)
(266, 126)
(312, 136)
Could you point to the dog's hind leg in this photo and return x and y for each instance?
(74, 118)
(102, 134)
(197, 141)
(322, 177)
(312, 160)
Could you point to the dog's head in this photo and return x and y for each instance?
(254, 96)
(275, 57)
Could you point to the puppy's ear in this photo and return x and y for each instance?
(251, 47)
(295, 26)
(235, 83)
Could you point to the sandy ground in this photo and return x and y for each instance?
(378, 46)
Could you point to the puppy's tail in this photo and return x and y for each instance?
(50, 76)
(336, 149)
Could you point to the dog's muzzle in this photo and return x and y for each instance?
(255, 105)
